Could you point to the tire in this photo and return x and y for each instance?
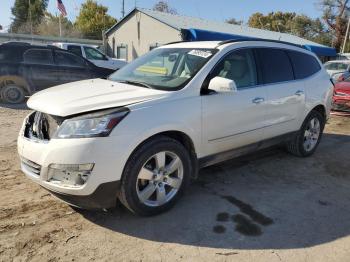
(306, 141)
(12, 94)
(141, 172)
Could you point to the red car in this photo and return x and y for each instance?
(341, 97)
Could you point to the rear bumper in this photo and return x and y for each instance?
(105, 196)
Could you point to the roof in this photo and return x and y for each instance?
(180, 22)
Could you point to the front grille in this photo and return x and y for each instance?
(41, 126)
(31, 167)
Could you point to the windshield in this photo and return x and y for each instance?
(336, 66)
(164, 68)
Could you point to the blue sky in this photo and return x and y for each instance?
(218, 10)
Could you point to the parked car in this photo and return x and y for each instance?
(94, 55)
(341, 97)
(336, 68)
(26, 69)
(143, 133)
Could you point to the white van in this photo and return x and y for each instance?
(92, 54)
(143, 133)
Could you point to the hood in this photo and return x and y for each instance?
(89, 95)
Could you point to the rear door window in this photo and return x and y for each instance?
(274, 65)
(75, 49)
(38, 56)
(304, 65)
(70, 60)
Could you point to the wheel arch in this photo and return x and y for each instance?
(20, 81)
(182, 138)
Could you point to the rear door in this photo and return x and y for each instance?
(39, 68)
(71, 67)
(285, 96)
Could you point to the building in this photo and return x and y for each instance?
(142, 30)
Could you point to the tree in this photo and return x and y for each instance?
(163, 6)
(93, 20)
(336, 15)
(49, 26)
(234, 21)
(299, 25)
(22, 12)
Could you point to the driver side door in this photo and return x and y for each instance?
(234, 119)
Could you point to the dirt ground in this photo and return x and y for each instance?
(269, 206)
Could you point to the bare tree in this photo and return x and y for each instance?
(336, 15)
(163, 6)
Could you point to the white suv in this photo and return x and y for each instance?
(141, 135)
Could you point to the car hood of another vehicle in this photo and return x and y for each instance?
(90, 95)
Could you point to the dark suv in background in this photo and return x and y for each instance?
(26, 69)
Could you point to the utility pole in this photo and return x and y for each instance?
(346, 36)
(30, 17)
(123, 9)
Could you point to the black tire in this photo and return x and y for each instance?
(296, 145)
(128, 193)
(12, 94)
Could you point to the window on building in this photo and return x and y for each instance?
(122, 52)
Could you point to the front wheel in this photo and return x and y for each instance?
(155, 176)
(309, 136)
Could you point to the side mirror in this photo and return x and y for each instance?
(222, 85)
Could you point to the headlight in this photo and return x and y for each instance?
(91, 125)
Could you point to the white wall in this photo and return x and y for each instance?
(138, 41)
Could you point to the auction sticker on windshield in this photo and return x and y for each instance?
(201, 53)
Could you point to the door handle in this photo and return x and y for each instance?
(258, 100)
(299, 93)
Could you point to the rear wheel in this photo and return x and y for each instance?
(12, 94)
(155, 176)
(309, 136)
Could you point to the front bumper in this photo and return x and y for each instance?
(101, 188)
(105, 196)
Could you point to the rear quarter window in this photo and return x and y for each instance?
(10, 54)
(304, 65)
(274, 65)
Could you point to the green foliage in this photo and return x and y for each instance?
(21, 15)
(50, 26)
(93, 20)
(163, 6)
(287, 22)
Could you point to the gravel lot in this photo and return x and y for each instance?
(269, 206)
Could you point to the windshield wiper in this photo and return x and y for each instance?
(135, 83)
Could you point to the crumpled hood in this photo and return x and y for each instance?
(89, 95)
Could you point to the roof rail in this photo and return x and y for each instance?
(176, 42)
(257, 39)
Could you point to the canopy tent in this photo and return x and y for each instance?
(204, 35)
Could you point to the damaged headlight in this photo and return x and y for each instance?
(91, 125)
